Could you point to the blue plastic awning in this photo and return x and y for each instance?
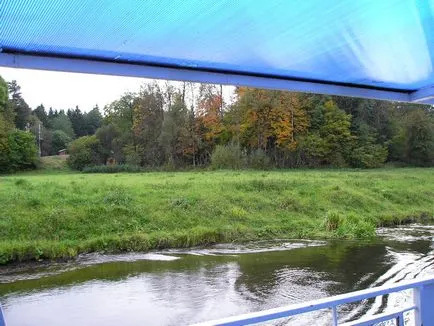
(380, 49)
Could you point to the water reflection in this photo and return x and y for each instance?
(179, 287)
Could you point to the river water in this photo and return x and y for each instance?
(177, 287)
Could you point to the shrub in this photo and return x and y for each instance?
(60, 140)
(83, 152)
(21, 152)
(227, 157)
(258, 159)
(369, 156)
(131, 156)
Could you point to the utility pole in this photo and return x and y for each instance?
(39, 138)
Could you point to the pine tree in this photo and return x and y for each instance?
(20, 107)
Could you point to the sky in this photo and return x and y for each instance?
(61, 90)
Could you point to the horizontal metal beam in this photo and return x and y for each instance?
(424, 95)
(193, 75)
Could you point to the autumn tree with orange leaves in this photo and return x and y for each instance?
(271, 119)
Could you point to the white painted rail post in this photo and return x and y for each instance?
(424, 301)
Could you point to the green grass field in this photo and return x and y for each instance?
(61, 215)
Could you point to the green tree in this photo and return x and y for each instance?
(175, 136)
(120, 114)
(41, 114)
(331, 142)
(366, 151)
(93, 120)
(420, 138)
(6, 111)
(78, 122)
(59, 140)
(110, 145)
(62, 122)
(84, 151)
(4, 144)
(22, 151)
(148, 121)
(3, 94)
(6, 124)
(51, 115)
(19, 106)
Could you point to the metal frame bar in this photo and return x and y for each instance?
(2, 319)
(78, 65)
(397, 314)
(423, 95)
(333, 302)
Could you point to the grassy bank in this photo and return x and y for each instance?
(62, 215)
(55, 162)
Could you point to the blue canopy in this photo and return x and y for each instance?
(380, 49)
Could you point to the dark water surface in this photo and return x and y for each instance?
(177, 287)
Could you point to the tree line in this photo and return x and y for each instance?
(160, 127)
(185, 125)
(26, 134)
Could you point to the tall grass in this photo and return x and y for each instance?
(55, 162)
(62, 215)
(112, 168)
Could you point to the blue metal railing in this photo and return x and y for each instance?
(2, 320)
(423, 307)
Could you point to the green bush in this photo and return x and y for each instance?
(131, 156)
(84, 151)
(227, 157)
(60, 141)
(20, 153)
(369, 156)
(112, 168)
(258, 159)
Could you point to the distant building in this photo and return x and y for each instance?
(62, 152)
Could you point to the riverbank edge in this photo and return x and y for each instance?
(14, 252)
